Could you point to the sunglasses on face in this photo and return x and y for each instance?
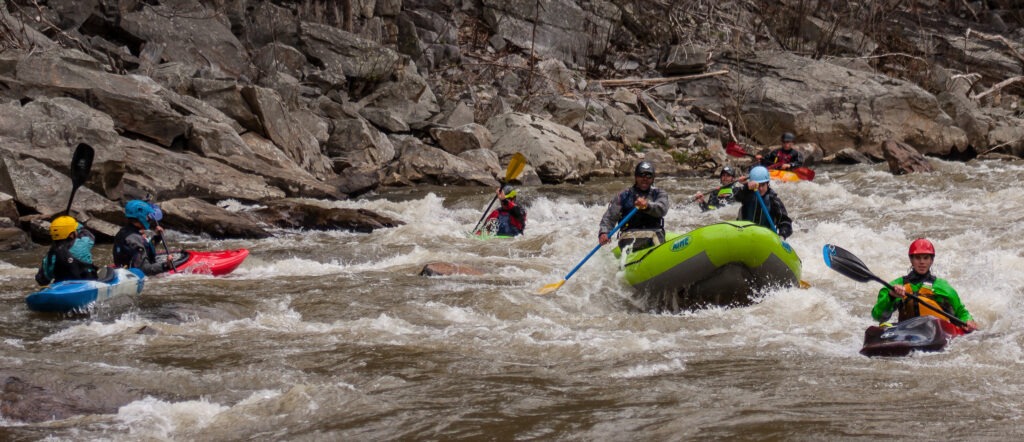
(646, 175)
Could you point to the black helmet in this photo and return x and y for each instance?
(788, 136)
(729, 170)
(643, 167)
(509, 191)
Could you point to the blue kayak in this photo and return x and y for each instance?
(79, 295)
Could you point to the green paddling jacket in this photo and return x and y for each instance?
(924, 286)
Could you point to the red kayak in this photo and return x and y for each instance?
(923, 333)
(216, 263)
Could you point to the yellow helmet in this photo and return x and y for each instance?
(61, 227)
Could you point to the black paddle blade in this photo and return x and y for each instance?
(846, 263)
(81, 164)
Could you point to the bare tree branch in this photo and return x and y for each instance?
(633, 82)
(998, 86)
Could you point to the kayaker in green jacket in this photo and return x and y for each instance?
(721, 196)
(936, 292)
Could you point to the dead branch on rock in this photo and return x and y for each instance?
(636, 82)
(732, 135)
(1000, 38)
(998, 146)
(891, 54)
(997, 87)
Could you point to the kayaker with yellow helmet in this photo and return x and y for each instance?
(70, 255)
(935, 292)
(509, 219)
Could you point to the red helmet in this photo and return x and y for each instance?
(921, 246)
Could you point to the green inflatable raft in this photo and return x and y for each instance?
(720, 264)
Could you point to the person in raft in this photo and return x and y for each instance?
(647, 227)
(70, 256)
(935, 292)
(784, 157)
(721, 196)
(131, 248)
(510, 218)
(758, 184)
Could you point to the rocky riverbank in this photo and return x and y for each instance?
(279, 103)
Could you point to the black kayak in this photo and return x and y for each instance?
(923, 333)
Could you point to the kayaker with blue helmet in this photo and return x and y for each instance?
(509, 219)
(721, 196)
(937, 293)
(131, 247)
(759, 181)
(784, 157)
(647, 227)
(70, 256)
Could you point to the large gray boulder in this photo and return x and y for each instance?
(830, 105)
(189, 32)
(556, 152)
(562, 29)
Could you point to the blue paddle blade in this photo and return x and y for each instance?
(827, 252)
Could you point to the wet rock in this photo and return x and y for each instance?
(12, 238)
(904, 159)
(851, 156)
(24, 401)
(294, 214)
(448, 269)
(192, 215)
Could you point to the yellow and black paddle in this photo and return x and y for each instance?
(515, 167)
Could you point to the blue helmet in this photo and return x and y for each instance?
(759, 174)
(140, 211)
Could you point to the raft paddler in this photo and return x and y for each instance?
(936, 293)
(647, 227)
(757, 186)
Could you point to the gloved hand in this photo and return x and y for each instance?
(157, 239)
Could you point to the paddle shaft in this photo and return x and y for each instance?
(486, 211)
(764, 208)
(598, 247)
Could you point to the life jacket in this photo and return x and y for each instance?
(783, 157)
(627, 200)
(910, 308)
(124, 254)
(722, 197)
(60, 265)
(507, 223)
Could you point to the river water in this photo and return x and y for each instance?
(335, 336)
